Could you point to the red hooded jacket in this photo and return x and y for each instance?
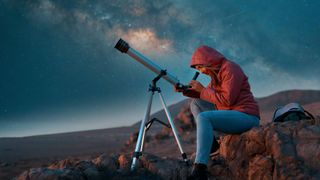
(232, 90)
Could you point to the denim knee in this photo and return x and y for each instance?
(198, 105)
(194, 107)
(201, 117)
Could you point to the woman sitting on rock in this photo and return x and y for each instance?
(226, 104)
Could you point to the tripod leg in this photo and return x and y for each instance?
(143, 138)
(175, 133)
(138, 149)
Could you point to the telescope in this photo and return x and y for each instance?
(124, 47)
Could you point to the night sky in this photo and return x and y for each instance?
(59, 71)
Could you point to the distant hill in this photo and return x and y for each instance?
(303, 97)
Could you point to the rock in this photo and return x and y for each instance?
(83, 165)
(186, 119)
(308, 146)
(255, 142)
(123, 161)
(260, 167)
(50, 174)
(109, 163)
(92, 173)
(287, 150)
(165, 168)
(66, 163)
(132, 139)
(165, 133)
(70, 169)
(219, 169)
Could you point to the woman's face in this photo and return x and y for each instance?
(206, 70)
(203, 69)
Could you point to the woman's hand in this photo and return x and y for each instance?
(196, 86)
(176, 89)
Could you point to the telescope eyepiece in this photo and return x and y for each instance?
(122, 46)
(195, 76)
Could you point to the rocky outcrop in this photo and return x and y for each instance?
(109, 167)
(289, 150)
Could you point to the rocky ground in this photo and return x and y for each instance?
(289, 150)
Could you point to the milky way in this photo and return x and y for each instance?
(57, 57)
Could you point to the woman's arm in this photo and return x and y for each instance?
(231, 82)
(192, 94)
(189, 93)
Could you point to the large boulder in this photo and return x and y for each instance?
(289, 150)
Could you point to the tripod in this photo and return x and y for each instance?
(146, 125)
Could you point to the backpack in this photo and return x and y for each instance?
(291, 112)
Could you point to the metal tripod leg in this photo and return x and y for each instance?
(139, 145)
(174, 130)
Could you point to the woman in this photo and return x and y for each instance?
(225, 105)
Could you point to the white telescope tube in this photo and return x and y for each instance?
(124, 47)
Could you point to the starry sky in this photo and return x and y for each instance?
(59, 71)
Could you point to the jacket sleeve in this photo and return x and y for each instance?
(192, 94)
(230, 88)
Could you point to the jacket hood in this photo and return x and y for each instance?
(206, 56)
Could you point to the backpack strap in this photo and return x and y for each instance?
(309, 114)
(274, 115)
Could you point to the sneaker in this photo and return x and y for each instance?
(199, 172)
(214, 148)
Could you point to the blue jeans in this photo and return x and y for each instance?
(209, 119)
